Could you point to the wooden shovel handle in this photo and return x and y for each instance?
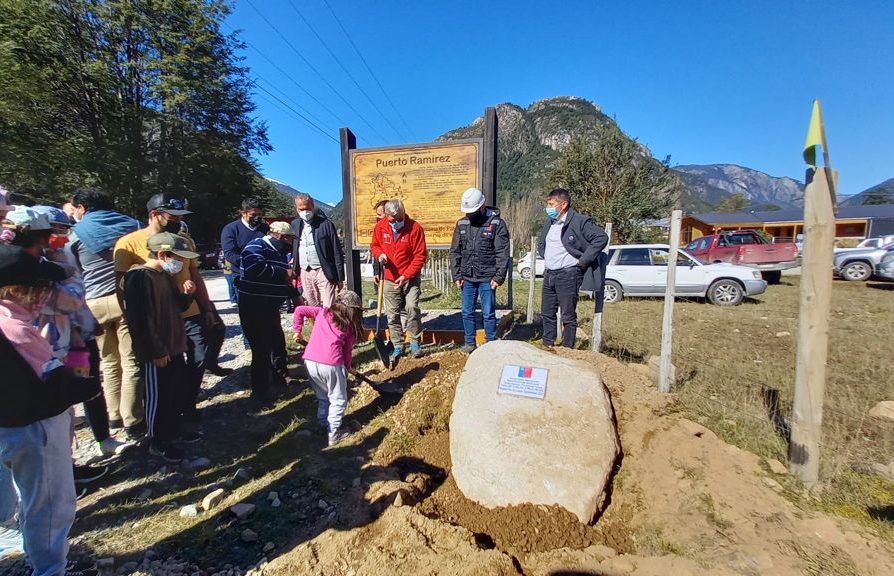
(381, 293)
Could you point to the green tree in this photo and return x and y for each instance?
(615, 180)
(733, 203)
(132, 97)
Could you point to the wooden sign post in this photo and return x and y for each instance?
(596, 338)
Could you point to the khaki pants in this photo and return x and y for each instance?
(318, 291)
(403, 300)
(120, 370)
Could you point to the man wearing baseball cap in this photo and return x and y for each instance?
(263, 288)
(153, 301)
(165, 214)
(479, 258)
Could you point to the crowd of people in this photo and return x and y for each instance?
(99, 309)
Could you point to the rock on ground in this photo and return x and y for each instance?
(242, 510)
(883, 410)
(212, 499)
(509, 450)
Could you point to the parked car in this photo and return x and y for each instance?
(746, 248)
(209, 256)
(524, 266)
(641, 270)
(886, 265)
(859, 265)
(869, 243)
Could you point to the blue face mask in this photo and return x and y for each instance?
(397, 225)
(553, 213)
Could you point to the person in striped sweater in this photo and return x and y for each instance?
(263, 288)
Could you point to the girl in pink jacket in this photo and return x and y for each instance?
(328, 356)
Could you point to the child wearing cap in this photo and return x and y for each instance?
(328, 356)
(153, 302)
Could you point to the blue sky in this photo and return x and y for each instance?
(706, 82)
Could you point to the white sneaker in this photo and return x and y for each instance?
(338, 435)
(113, 447)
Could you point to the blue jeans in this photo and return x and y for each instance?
(471, 291)
(231, 289)
(39, 456)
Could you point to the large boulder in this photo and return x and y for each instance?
(508, 450)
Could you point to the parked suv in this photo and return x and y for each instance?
(859, 265)
(641, 270)
(885, 268)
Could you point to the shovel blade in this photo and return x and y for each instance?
(384, 350)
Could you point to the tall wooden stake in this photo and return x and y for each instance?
(667, 327)
(596, 339)
(813, 329)
(532, 280)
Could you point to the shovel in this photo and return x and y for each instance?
(386, 387)
(383, 349)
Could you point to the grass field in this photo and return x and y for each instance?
(726, 357)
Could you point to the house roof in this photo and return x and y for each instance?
(796, 215)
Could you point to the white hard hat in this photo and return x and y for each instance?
(473, 199)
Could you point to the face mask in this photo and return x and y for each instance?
(172, 227)
(477, 218)
(553, 213)
(397, 225)
(255, 221)
(172, 267)
(57, 242)
(306, 215)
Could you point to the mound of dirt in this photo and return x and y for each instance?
(683, 502)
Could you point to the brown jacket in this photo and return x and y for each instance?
(152, 306)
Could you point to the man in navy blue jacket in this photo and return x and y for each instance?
(263, 287)
(236, 235)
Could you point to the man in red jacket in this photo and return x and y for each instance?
(398, 243)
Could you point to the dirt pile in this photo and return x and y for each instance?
(683, 502)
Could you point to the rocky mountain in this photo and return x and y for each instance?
(713, 182)
(530, 140)
(291, 192)
(879, 194)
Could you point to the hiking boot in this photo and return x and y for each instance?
(220, 371)
(135, 433)
(468, 348)
(397, 353)
(114, 447)
(116, 426)
(167, 452)
(338, 436)
(415, 349)
(85, 473)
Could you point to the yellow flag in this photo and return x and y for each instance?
(816, 135)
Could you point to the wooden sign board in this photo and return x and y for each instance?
(428, 178)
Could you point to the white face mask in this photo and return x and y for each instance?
(172, 267)
(306, 215)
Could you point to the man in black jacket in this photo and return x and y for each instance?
(479, 257)
(317, 253)
(570, 243)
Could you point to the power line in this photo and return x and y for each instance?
(346, 71)
(302, 116)
(368, 69)
(317, 72)
(288, 98)
(291, 79)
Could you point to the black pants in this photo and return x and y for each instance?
(261, 326)
(560, 290)
(95, 410)
(196, 352)
(214, 336)
(166, 389)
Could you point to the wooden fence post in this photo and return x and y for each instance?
(532, 280)
(667, 327)
(596, 338)
(813, 329)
